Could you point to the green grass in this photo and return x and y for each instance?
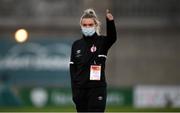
(131, 109)
(72, 109)
(33, 109)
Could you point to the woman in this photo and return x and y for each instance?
(87, 65)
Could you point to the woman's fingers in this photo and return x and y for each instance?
(109, 15)
(107, 11)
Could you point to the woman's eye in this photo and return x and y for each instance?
(91, 25)
(84, 25)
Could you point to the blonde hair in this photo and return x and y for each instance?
(90, 13)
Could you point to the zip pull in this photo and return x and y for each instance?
(94, 62)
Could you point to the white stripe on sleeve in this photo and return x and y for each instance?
(71, 62)
(102, 56)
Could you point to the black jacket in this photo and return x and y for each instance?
(82, 57)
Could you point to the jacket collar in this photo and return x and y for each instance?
(91, 39)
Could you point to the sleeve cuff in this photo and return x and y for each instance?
(71, 62)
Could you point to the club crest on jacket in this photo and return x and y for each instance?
(93, 49)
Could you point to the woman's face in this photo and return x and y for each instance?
(87, 22)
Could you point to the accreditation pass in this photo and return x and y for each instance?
(95, 72)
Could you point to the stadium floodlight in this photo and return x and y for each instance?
(21, 35)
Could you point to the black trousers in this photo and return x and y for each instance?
(90, 99)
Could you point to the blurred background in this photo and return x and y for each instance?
(143, 67)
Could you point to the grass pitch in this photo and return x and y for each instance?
(72, 109)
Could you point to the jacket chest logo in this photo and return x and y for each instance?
(78, 53)
(93, 49)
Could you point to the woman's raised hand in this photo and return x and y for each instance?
(109, 16)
